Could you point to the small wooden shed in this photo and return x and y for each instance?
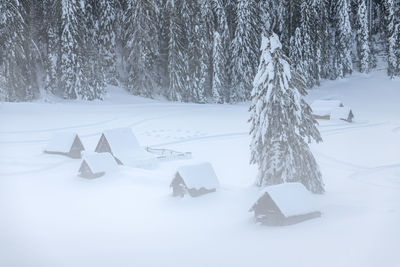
(322, 108)
(67, 144)
(122, 144)
(96, 165)
(195, 180)
(284, 204)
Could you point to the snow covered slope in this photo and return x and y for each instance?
(51, 217)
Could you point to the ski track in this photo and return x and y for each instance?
(356, 175)
(62, 128)
(142, 121)
(335, 131)
(202, 138)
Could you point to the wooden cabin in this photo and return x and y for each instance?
(96, 165)
(284, 204)
(322, 108)
(122, 144)
(331, 110)
(68, 144)
(195, 180)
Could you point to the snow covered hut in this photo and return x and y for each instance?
(96, 165)
(194, 180)
(322, 108)
(284, 204)
(122, 144)
(67, 144)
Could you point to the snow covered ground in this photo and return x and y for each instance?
(49, 216)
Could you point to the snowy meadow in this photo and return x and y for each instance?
(52, 217)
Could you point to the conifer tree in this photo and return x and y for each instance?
(281, 123)
(142, 48)
(362, 35)
(308, 53)
(218, 82)
(18, 65)
(221, 54)
(324, 42)
(70, 61)
(343, 39)
(107, 38)
(93, 80)
(244, 52)
(52, 19)
(296, 51)
(393, 38)
(176, 54)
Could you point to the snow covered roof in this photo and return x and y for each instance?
(325, 107)
(121, 139)
(340, 113)
(126, 148)
(61, 142)
(198, 176)
(291, 198)
(100, 162)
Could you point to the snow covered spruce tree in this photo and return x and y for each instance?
(220, 54)
(177, 65)
(281, 122)
(362, 36)
(17, 63)
(74, 53)
(343, 39)
(93, 80)
(70, 61)
(141, 47)
(107, 39)
(244, 52)
(393, 38)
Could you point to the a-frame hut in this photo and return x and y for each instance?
(122, 144)
(97, 164)
(284, 204)
(194, 180)
(67, 144)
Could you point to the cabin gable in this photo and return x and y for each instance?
(104, 147)
(267, 212)
(85, 171)
(76, 149)
(179, 188)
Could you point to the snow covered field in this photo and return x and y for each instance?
(49, 216)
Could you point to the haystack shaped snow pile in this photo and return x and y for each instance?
(124, 147)
(195, 180)
(97, 164)
(285, 204)
(65, 143)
